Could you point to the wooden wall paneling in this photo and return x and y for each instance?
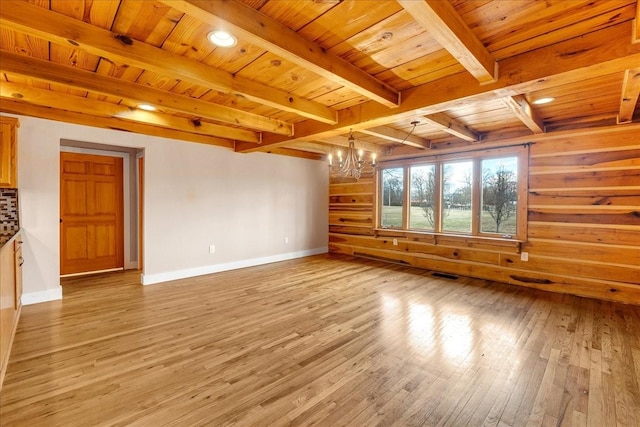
(588, 179)
(590, 233)
(351, 230)
(594, 288)
(583, 226)
(349, 218)
(403, 245)
(623, 254)
(627, 217)
(613, 157)
(588, 141)
(574, 264)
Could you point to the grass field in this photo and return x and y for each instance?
(454, 221)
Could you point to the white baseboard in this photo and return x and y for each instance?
(151, 279)
(42, 296)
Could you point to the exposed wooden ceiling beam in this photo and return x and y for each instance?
(452, 126)
(94, 107)
(343, 141)
(314, 147)
(629, 97)
(40, 22)
(258, 29)
(523, 110)
(394, 135)
(442, 21)
(8, 105)
(51, 72)
(292, 152)
(544, 68)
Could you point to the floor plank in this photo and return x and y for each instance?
(326, 340)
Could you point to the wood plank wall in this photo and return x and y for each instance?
(583, 223)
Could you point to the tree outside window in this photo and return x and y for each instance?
(499, 195)
(472, 194)
(423, 197)
(457, 197)
(392, 197)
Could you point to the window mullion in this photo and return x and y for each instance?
(437, 204)
(476, 191)
(407, 199)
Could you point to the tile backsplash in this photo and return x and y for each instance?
(9, 218)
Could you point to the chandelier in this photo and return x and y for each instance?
(352, 165)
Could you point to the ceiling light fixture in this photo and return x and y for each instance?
(222, 38)
(352, 165)
(545, 100)
(146, 107)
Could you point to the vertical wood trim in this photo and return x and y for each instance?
(140, 213)
(476, 197)
(523, 192)
(629, 95)
(437, 204)
(635, 30)
(377, 206)
(407, 198)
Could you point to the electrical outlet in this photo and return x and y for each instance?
(395, 242)
(524, 256)
(212, 249)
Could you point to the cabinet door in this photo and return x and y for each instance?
(7, 301)
(8, 155)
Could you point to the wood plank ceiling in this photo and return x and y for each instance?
(305, 73)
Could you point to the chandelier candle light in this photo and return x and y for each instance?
(352, 165)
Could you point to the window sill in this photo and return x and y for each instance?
(455, 240)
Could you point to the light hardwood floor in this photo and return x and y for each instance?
(326, 341)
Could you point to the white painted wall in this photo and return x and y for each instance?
(195, 195)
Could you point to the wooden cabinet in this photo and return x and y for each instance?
(10, 296)
(8, 152)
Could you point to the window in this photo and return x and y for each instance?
(392, 197)
(480, 193)
(457, 185)
(499, 195)
(423, 197)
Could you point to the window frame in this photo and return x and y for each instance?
(520, 151)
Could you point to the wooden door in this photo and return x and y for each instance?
(91, 213)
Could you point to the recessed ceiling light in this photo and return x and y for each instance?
(146, 107)
(546, 100)
(222, 38)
